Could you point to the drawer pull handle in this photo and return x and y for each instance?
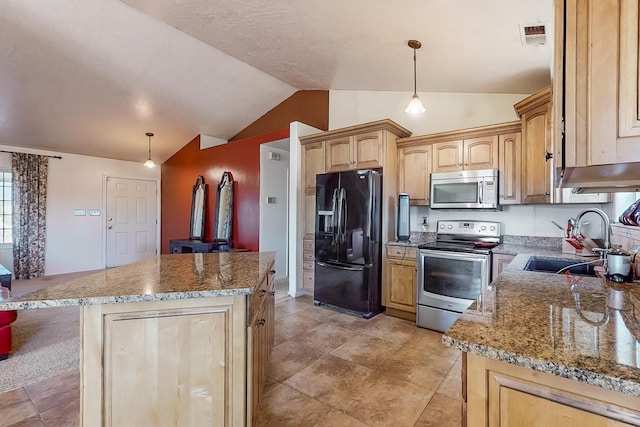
(262, 293)
(272, 293)
(261, 322)
(272, 272)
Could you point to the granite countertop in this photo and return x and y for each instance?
(582, 328)
(164, 277)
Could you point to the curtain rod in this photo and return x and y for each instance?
(19, 152)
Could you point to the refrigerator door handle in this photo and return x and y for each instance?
(334, 217)
(339, 267)
(343, 215)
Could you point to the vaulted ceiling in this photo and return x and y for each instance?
(92, 76)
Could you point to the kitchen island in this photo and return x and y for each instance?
(180, 339)
(550, 349)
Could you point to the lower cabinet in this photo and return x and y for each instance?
(501, 394)
(400, 282)
(308, 265)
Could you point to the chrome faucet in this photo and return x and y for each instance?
(605, 220)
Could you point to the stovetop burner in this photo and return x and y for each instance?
(465, 236)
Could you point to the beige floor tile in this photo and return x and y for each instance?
(366, 350)
(336, 418)
(431, 341)
(389, 328)
(452, 384)
(418, 367)
(15, 406)
(329, 379)
(320, 313)
(324, 337)
(345, 320)
(292, 325)
(47, 393)
(34, 421)
(385, 400)
(442, 411)
(283, 406)
(288, 358)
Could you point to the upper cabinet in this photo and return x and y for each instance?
(468, 154)
(510, 168)
(467, 149)
(313, 165)
(596, 91)
(361, 151)
(535, 113)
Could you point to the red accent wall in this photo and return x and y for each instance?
(179, 173)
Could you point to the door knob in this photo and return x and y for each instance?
(110, 227)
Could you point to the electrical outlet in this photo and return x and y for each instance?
(79, 212)
(424, 220)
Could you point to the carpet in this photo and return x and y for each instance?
(45, 342)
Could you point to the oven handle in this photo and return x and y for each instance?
(450, 254)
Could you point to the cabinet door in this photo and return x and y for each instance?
(367, 150)
(601, 89)
(309, 215)
(401, 285)
(536, 151)
(339, 154)
(500, 261)
(313, 164)
(414, 166)
(447, 156)
(480, 153)
(509, 166)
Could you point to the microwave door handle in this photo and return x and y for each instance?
(481, 192)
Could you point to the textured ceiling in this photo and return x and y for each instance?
(92, 76)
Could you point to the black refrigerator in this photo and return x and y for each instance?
(347, 240)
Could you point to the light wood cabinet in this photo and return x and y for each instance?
(414, 167)
(468, 154)
(500, 261)
(308, 265)
(401, 281)
(537, 152)
(510, 168)
(500, 394)
(260, 335)
(362, 151)
(314, 157)
(600, 62)
(364, 146)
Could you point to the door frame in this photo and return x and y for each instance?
(104, 211)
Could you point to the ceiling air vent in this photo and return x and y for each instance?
(533, 35)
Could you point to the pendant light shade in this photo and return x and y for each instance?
(149, 163)
(415, 106)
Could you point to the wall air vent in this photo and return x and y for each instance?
(533, 35)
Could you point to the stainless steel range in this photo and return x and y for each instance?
(454, 270)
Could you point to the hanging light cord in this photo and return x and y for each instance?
(415, 80)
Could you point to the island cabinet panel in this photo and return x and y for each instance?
(499, 394)
(179, 362)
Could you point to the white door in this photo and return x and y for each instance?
(131, 220)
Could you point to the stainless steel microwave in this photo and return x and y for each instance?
(474, 189)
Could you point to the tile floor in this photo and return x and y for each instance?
(327, 369)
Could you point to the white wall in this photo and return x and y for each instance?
(274, 177)
(445, 111)
(77, 243)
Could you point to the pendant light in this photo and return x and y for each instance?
(149, 163)
(415, 106)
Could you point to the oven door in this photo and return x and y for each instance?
(451, 280)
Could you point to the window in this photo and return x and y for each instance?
(5, 207)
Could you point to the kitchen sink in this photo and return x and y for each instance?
(550, 265)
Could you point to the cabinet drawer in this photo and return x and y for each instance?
(307, 280)
(406, 252)
(308, 266)
(308, 245)
(307, 256)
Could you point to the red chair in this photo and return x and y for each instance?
(6, 318)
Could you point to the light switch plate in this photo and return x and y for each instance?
(79, 212)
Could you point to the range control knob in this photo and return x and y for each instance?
(483, 228)
(450, 226)
(492, 228)
(442, 226)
